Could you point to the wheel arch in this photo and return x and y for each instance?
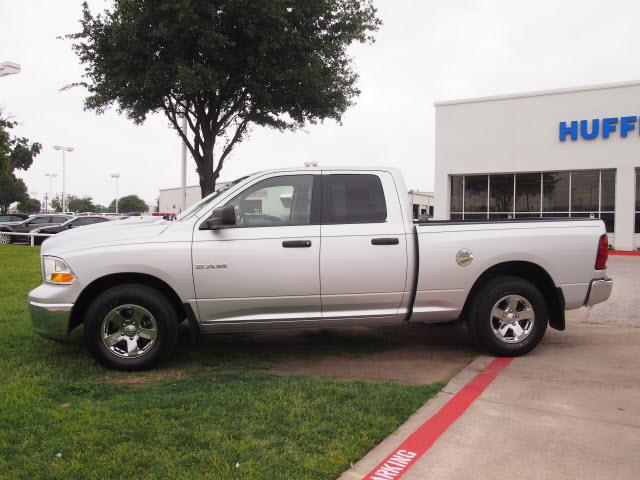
(528, 271)
(91, 291)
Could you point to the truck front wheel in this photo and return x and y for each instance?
(131, 327)
(508, 316)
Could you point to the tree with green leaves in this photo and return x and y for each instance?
(84, 204)
(16, 153)
(29, 205)
(128, 204)
(56, 204)
(224, 65)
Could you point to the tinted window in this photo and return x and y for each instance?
(556, 191)
(608, 192)
(353, 198)
(276, 201)
(456, 193)
(475, 193)
(39, 220)
(501, 193)
(637, 190)
(87, 221)
(528, 192)
(58, 219)
(585, 191)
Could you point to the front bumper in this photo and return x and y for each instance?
(51, 320)
(599, 291)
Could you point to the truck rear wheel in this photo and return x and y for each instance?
(508, 316)
(131, 327)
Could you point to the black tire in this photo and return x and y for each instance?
(481, 322)
(146, 298)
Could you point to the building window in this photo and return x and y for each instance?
(500, 196)
(637, 200)
(582, 193)
(555, 188)
(476, 189)
(528, 190)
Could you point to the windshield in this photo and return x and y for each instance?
(208, 199)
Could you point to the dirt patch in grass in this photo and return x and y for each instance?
(142, 378)
(417, 354)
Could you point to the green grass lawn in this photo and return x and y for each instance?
(210, 412)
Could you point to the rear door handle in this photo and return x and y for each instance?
(296, 243)
(385, 241)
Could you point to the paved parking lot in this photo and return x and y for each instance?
(570, 409)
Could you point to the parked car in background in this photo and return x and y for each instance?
(13, 217)
(75, 222)
(28, 225)
(165, 215)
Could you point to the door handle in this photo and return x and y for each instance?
(296, 243)
(385, 241)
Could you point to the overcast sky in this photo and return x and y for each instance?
(426, 51)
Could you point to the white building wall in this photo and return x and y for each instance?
(170, 198)
(520, 133)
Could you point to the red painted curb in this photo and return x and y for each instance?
(626, 254)
(413, 447)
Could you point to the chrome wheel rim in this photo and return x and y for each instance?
(4, 239)
(129, 331)
(512, 318)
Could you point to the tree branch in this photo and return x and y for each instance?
(236, 137)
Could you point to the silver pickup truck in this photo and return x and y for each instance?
(314, 247)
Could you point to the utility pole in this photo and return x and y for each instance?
(183, 179)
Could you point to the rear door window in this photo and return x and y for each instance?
(353, 198)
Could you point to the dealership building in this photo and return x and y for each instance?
(558, 153)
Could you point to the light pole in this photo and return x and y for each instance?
(116, 176)
(51, 176)
(64, 192)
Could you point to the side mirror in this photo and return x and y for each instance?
(222, 217)
(70, 226)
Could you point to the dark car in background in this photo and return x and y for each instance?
(26, 226)
(75, 222)
(13, 217)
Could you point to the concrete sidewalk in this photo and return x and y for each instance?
(570, 409)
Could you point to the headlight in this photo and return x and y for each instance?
(56, 271)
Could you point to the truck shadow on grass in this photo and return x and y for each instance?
(413, 354)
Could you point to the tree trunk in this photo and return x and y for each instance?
(206, 174)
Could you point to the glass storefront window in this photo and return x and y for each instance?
(556, 191)
(637, 200)
(608, 190)
(528, 192)
(585, 191)
(456, 193)
(501, 193)
(579, 194)
(475, 193)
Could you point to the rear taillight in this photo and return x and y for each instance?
(603, 253)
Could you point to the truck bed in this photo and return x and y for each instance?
(564, 249)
